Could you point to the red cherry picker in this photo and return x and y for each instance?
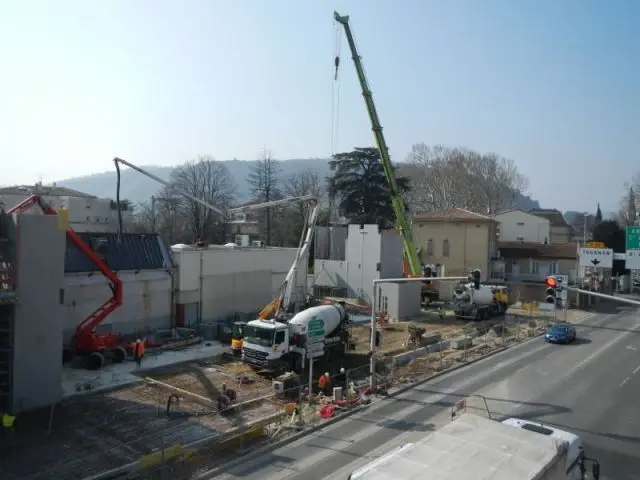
(95, 347)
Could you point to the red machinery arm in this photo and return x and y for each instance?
(97, 317)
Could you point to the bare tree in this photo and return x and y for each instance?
(265, 181)
(293, 217)
(207, 180)
(159, 214)
(628, 212)
(444, 178)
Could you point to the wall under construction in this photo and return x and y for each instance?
(37, 332)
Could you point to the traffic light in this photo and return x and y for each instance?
(474, 276)
(552, 290)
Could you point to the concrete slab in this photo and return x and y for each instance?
(82, 382)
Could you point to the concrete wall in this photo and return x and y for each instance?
(146, 303)
(402, 300)
(370, 254)
(37, 378)
(225, 281)
(516, 225)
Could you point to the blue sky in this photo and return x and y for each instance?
(550, 84)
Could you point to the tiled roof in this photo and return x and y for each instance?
(46, 190)
(555, 217)
(132, 251)
(566, 251)
(453, 214)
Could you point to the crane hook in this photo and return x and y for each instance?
(336, 62)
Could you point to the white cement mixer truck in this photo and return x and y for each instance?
(313, 333)
(475, 301)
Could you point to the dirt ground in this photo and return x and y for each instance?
(101, 431)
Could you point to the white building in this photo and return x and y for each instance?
(218, 282)
(518, 226)
(86, 213)
(369, 254)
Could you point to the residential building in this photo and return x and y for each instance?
(533, 262)
(86, 213)
(561, 232)
(519, 226)
(459, 239)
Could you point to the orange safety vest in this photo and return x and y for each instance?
(138, 349)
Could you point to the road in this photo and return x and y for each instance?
(590, 388)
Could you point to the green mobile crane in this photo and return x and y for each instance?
(413, 264)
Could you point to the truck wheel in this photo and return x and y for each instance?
(95, 361)
(118, 355)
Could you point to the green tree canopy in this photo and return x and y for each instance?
(360, 189)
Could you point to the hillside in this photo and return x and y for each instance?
(138, 188)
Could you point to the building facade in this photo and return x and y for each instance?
(533, 262)
(459, 239)
(86, 213)
(560, 231)
(519, 226)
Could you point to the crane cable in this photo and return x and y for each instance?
(335, 90)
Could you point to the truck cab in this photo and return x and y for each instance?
(576, 463)
(265, 343)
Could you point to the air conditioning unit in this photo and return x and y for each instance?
(242, 240)
(257, 243)
(278, 386)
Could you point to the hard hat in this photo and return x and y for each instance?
(138, 341)
(342, 370)
(326, 374)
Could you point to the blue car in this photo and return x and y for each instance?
(561, 333)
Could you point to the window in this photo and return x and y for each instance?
(430, 247)
(535, 268)
(520, 239)
(445, 247)
(279, 337)
(553, 268)
(520, 224)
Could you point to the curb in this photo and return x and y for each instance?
(206, 475)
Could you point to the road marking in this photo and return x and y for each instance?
(625, 381)
(632, 348)
(636, 370)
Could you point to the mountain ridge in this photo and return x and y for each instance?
(137, 188)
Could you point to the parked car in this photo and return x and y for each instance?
(561, 333)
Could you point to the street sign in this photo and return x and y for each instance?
(595, 245)
(315, 350)
(633, 238)
(316, 327)
(596, 257)
(632, 260)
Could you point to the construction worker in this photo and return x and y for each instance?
(324, 382)
(138, 352)
(8, 422)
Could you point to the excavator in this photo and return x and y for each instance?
(95, 347)
(280, 304)
(411, 265)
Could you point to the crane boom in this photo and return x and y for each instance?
(410, 251)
